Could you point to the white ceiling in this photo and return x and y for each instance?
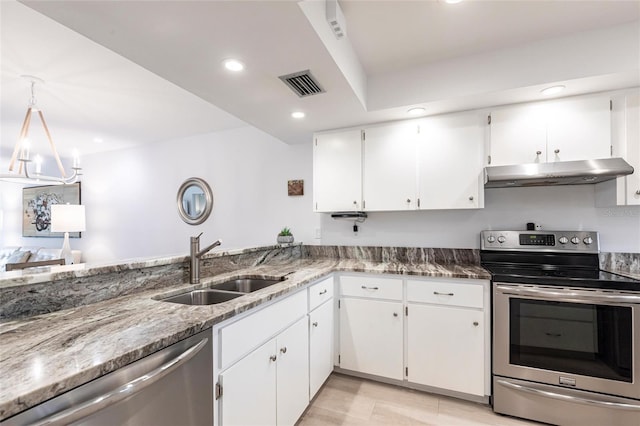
(144, 71)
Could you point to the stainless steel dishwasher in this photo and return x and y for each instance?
(171, 387)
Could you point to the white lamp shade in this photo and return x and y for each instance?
(67, 218)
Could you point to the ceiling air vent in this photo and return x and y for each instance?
(302, 83)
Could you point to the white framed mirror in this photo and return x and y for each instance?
(195, 201)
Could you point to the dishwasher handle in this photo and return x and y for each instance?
(123, 392)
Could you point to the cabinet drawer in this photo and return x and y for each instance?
(372, 287)
(450, 292)
(320, 292)
(242, 336)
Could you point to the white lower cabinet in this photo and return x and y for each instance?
(253, 379)
(292, 366)
(269, 386)
(425, 333)
(446, 348)
(320, 346)
(371, 335)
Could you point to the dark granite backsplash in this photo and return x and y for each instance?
(409, 255)
(24, 298)
(625, 263)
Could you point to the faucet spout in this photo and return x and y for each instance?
(206, 249)
(196, 254)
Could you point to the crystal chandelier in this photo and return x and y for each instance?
(20, 157)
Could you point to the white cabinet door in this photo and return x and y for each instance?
(253, 380)
(450, 162)
(633, 147)
(292, 373)
(371, 337)
(320, 346)
(579, 129)
(337, 171)
(518, 135)
(389, 181)
(445, 347)
(559, 130)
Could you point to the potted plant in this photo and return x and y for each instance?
(285, 236)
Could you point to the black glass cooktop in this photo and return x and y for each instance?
(562, 276)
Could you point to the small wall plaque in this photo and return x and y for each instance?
(295, 187)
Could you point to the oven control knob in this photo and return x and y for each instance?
(588, 240)
(563, 240)
(575, 240)
(501, 239)
(491, 239)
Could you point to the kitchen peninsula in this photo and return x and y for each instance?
(48, 354)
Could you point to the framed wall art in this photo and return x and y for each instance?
(36, 208)
(295, 187)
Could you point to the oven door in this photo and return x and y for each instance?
(580, 339)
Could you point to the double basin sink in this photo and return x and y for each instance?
(223, 292)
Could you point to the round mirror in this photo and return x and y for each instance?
(195, 201)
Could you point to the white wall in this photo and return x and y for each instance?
(130, 196)
(559, 208)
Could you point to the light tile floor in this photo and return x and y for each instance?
(346, 400)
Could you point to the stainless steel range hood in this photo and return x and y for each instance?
(558, 173)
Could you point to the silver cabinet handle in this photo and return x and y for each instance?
(638, 192)
(475, 323)
(395, 314)
(322, 292)
(113, 396)
(364, 287)
(408, 200)
(538, 152)
(315, 324)
(572, 398)
(437, 293)
(557, 151)
(355, 202)
(273, 358)
(471, 198)
(283, 350)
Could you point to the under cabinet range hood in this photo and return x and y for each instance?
(558, 173)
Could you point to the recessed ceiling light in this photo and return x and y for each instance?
(297, 114)
(98, 140)
(452, 1)
(233, 65)
(552, 90)
(416, 111)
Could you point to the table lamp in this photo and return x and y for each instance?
(67, 218)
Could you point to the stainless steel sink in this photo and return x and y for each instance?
(203, 297)
(246, 285)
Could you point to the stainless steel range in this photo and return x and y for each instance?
(566, 335)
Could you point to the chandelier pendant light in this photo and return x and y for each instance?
(21, 151)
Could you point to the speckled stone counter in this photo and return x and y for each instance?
(45, 355)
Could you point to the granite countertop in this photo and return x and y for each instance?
(44, 356)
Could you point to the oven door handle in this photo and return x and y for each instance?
(569, 398)
(568, 295)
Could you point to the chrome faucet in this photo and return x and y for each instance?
(196, 254)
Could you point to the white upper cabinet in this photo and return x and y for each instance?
(389, 163)
(450, 161)
(579, 129)
(625, 135)
(632, 132)
(518, 135)
(337, 171)
(560, 130)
